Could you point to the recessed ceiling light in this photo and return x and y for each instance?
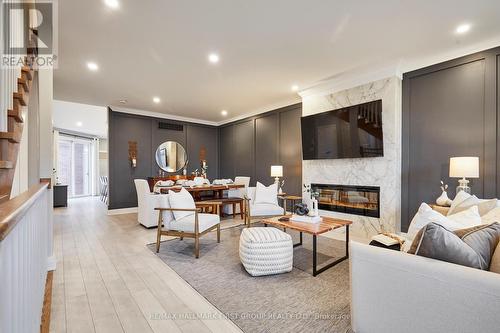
(156, 100)
(213, 58)
(295, 87)
(123, 101)
(92, 66)
(79, 124)
(224, 113)
(462, 28)
(112, 3)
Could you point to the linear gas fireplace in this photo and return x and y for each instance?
(358, 200)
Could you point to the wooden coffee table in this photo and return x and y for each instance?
(328, 224)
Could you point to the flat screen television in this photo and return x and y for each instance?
(351, 132)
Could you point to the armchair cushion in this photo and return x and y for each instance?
(186, 224)
(181, 200)
(265, 209)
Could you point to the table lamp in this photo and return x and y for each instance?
(277, 172)
(464, 167)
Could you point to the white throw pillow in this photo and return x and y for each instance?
(267, 194)
(467, 218)
(484, 206)
(459, 198)
(182, 200)
(492, 216)
(426, 215)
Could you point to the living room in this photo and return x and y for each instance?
(252, 167)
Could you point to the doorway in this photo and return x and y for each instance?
(75, 165)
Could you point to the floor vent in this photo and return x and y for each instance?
(170, 126)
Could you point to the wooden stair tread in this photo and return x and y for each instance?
(16, 114)
(6, 165)
(24, 83)
(20, 97)
(11, 136)
(26, 71)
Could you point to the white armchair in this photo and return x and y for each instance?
(259, 210)
(181, 217)
(147, 202)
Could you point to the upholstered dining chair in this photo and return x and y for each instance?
(255, 209)
(234, 203)
(147, 202)
(181, 217)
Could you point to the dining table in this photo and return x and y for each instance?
(196, 190)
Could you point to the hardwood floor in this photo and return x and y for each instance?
(108, 281)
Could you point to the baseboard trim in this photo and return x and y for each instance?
(51, 263)
(47, 304)
(122, 211)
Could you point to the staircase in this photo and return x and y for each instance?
(10, 140)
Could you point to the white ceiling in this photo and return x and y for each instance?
(81, 118)
(160, 47)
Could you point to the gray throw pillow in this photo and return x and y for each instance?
(472, 247)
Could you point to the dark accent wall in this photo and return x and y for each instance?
(450, 109)
(125, 127)
(250, 146)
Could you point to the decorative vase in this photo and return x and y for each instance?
(313, 210)
(443, 199)
(316, 209)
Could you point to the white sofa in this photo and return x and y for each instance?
(392, 291)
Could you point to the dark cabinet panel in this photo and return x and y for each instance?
(444, 126)
(249, 147)
(160, 135)
(146, 132)
(449, 109)
(497, 82)
(199, 137)
(122, 129)
(291, 150)
(266, 147)
(227, 152)
(243, 139)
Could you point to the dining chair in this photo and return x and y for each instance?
(147, 202)
(234, 202)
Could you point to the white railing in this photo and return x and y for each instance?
(25, 246)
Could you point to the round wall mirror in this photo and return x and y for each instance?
(171, 156)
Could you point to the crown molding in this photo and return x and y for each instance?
(162, 115)
(365, 74)
(352, 78)
(421, 62)
(296, 99)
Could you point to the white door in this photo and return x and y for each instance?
(74, 165)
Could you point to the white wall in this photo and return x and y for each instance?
(384, 172)
(94, 118)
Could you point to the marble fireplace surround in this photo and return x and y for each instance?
(384, 172)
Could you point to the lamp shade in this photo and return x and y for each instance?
(464, 167)
(276, 171)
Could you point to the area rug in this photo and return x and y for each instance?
(291, 302)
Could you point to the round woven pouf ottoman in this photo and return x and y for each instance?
(266, 251)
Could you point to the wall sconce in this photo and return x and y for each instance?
(132, 153)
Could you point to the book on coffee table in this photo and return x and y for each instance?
(306, 219)
(386, 240)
